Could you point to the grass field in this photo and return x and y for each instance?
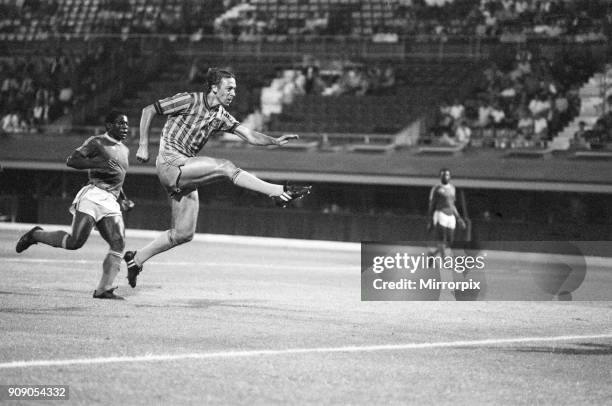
(258, 321)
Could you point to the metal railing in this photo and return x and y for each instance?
(295, 46)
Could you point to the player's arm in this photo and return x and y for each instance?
(460, 220)
(456, 213)
(257, 138)
(142, 155)
(430, 209)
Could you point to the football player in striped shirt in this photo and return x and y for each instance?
(192, 118)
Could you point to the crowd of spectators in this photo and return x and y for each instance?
(38, 19)
(171, 17)
(336, 78)
(36, 90)
(344, 77)
(522, 106)
(247, 20)
(599, 136)
(20, 17)
(508, 20)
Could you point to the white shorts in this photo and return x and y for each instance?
(96, 202)
(444, 220)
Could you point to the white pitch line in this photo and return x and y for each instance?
(294, 351)
(187, 263)
(278, 243)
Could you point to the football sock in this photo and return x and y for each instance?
(160, 244)
(110, 269)
(248, 181)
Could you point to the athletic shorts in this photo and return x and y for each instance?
(96, 202)
(444, 220)
(169, 165)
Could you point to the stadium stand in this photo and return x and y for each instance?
(37, 88)
(521, 107)
(388, 69)
(381, 20)
(417, 88)
(387, 21)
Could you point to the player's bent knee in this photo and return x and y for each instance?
(227, 168)
(178, 238)
(183, 238)
(117, 245)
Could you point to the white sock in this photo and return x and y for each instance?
(248, 181)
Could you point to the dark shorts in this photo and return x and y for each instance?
(169, 165)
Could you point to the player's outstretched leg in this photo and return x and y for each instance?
(27, 240)
(291, 193)
(202, 170)
(82, 224)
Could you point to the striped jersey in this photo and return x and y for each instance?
(108, 148)
(191, 121)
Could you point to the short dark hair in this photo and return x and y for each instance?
(112, 116)
(214, 76)
(444, 170)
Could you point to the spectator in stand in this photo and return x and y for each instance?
(40, 114)
(463, 132)
(579, 141)
(310, 70)
(55, 107)
(445, 120)
(457, 110)
(447, 137)
(540, 105)
(388, 78)
(65, 97)
(498, 116)
(525, 123)
(315, 24)
(595, 136)
(9, 84)
(540, 128)
(300, 82)
(13, 123)
(484, 114)
(561, 105)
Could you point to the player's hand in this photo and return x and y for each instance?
(113, 165)
(126, 205)
(282, 140)
(142, 155)
(106, 165)
(429, 226)
(461, 223)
